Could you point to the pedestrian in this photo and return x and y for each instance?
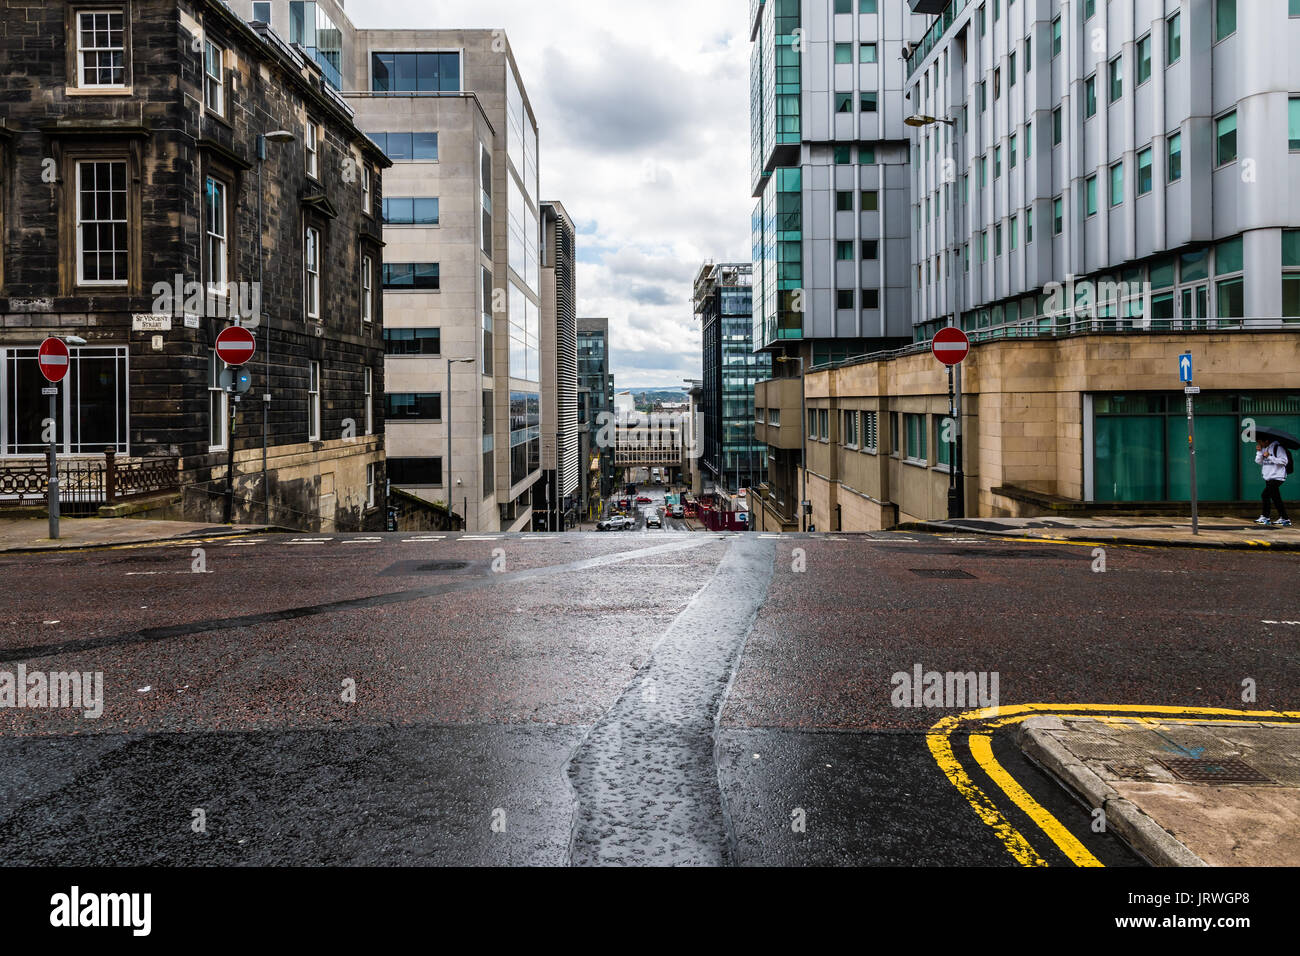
(1274, 459)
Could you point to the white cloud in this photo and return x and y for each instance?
(643, 112)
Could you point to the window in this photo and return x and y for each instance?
(313, 401)
(984, 246)
(1229, 287)
(262, 12)
(312, 140)
(218, 423)
(412, 342)
(997, 161)
(870, 200)
(1029, 226)
(997, 82)
(942, 447)
(415, 72)
(867, 53)
(894, 444)
(407, 147)
(1014, 225)
(914, 426)
(214, 78)
(983, 167)
(1291, 274)
(997, 10)
(866, 156)
(1117, 184)
(101, 49)
(1029, 54)
(844, 102)
(367, 288)
(1293, 122)
(843, 6)
(1090, 196)
(1029, 141)
(870, 437)
(367, 191)
(1173, 39)
(1144, 172)
(1144, 59)
(866, 6)
(1089, 9)
(844, 53)
(844, 250)
(812, 423)
(871, 298)
(869, 104)
(215, 256)
(844, 201)
(870, 249)
(997, 240)
(850, 429)
(1225, 19)
(844, 299)
(1116, 78)
(412, 275)
(1090, 96)
(1056, 126)
(1056, 37)
(415, 472)
(101, 223)
(980, 16)
(824, 423)
(984, 100)
(843, 155)
(410, 211)
(1174, 171)
(1058, 216)
(418, 406)
(372, 483)
(311, 273)
(1011, 68)
(369, 385)
(1225, 138)
(1011, 152)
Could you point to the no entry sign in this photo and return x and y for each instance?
(235, 345)
(53, 360)
(950, 345)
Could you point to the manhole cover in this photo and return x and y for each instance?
(1214, 770)
(949, 573)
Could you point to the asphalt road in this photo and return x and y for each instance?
(693, 699)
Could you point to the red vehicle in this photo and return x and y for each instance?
(644, 499)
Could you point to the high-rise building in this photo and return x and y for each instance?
(723, 304)
(595, 408)
(461, 277)
(555, 497)
(197, 160)
(830, 176)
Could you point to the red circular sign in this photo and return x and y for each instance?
(53, 359)
(235, 345)
(950, 345)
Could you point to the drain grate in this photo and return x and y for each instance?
(1214, 770)
(948, 573)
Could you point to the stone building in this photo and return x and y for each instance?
(143, 206)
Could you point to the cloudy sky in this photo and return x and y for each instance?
(643, 112)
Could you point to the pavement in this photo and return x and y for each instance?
(1215, 532)
(32, 534)
(1217, 792)
(648, 697)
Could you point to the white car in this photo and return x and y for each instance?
(679, 511)
(652, 520)
(616, 523)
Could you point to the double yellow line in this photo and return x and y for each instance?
(938, 739)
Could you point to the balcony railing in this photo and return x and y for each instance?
(932, 36)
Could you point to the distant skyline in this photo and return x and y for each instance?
(643, 118)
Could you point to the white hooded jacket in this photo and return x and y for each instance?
(1274, 458)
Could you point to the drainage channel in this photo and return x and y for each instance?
(645, 778)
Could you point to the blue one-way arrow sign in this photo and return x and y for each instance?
(1185, 367)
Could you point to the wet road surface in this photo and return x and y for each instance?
(691, 699)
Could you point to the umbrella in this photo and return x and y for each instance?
(1278, 435)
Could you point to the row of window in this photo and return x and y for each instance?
(219, 405)
(912, 435)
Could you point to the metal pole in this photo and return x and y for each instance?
(266, 338)
(952, 464)
(446, 402)
(960, 471)
(1191, 457)
(228, 508)
(53, 488)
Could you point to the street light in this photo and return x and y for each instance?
(275, 136)
(451, 510)
(920, 119)
(803, 439)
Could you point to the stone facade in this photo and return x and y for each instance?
(173, 135)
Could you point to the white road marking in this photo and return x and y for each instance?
(308, 540)
(472, 537)
(362, 540)
(1292, 623)
(435, 537)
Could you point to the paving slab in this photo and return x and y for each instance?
(1214, 532)
(1183, 793)
(32, 534)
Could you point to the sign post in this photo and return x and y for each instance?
(52, 359)
(950, 346)
(235, 346)
(1185, 376)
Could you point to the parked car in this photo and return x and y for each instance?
(679, 511)
(616, 523)
(652, 520)
(644, 499)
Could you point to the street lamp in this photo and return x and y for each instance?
(275, 136)
(920, 119)
(451, 510)
(803, 439)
